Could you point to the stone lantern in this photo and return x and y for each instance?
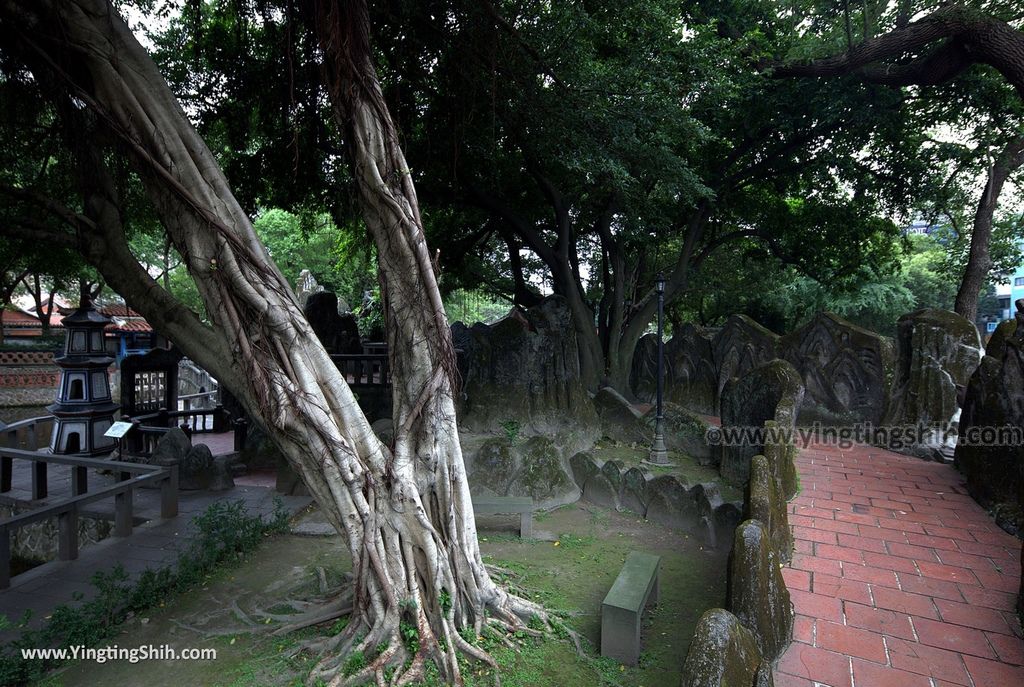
(84, 409)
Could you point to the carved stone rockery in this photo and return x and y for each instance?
(994, 406)
(771, 392)
(740, 346)
(845, 369)
(692, 380)
(937, 351)
(524, 369)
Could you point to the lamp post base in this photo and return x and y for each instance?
(659, 452)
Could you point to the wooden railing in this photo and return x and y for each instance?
(130, 476)
(195, 416)
(375, 348)
(25, 433)
(361, 369)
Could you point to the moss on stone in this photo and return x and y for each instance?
(723, 653)
(541, 474)
(757, 593)
(771, 392)
(765, 503)
(781, 452)
(495, 465)
(583, 467)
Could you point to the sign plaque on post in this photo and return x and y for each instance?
(118, 430)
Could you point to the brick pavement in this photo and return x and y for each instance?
(898, 578)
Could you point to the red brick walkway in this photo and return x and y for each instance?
(899, 578)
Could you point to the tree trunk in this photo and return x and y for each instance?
(405, 511)
(36, 290)
(979, 261)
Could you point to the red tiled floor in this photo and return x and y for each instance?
(900, 578)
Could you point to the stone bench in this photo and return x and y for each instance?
(635, 588)
(492, 505)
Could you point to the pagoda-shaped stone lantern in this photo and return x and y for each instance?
(84, 409)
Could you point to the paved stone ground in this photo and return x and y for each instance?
(154, 544)
(899, 578)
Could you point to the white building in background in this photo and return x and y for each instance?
(1009, 292)
(920, 226)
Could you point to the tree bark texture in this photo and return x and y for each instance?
(405, 510)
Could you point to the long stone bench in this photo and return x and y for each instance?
(492, 505)
(635, 588)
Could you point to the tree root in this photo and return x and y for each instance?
(320, 613)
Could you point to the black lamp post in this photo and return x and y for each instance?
(659, 454)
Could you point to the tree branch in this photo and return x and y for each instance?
(976, 37)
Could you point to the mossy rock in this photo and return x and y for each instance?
(937, 352)
(1003, 333)
(683, 431)
(171, 448)
(771, 392)
(994, 406)
(601, 491)
(612, 471)
(495, 466)
(757, 593)
(634, 490)
(541, 474)
(691, 375)
(619, 419)
(707, 496)
(846, 370)
(196, 469)
(723, 653)
(260, 452)
(765, 503)
(781, 453)
(583, 467)
(524, 368)
(669, 503)
(727, 517)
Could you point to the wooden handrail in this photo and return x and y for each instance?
(67, 510)
(20, 424)
(79, 461)
(49, 511)
(189, 397)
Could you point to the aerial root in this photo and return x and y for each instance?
(241, 615)
(321, 576)
(493, 569)
(206, 634)
(323, 614)
(321, 645)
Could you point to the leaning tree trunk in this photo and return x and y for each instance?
(405, 510)
(979, 261)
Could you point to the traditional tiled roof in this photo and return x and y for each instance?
(133, 325)
(14, 317)
(118, 310)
